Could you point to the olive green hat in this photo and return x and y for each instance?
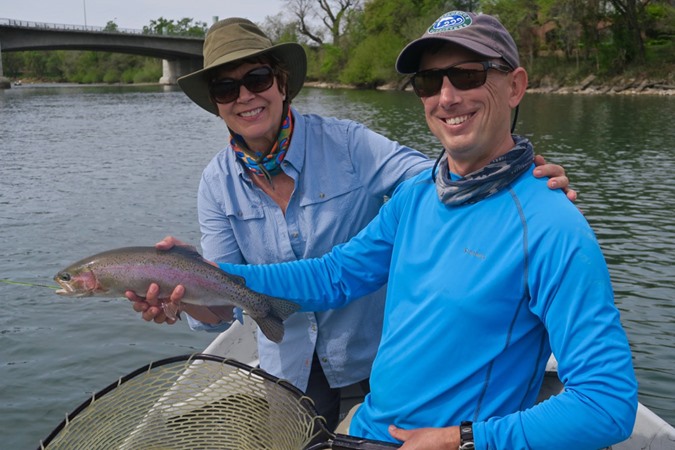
(233, 39)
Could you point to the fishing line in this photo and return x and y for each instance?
(3, 280)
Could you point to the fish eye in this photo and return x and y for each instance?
(64, 276)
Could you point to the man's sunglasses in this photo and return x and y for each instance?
(226, 90)
(463, 76)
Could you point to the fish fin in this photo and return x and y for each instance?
(235, 278)
(272, 328)
(190, 252)
(171, 310)
(225, 313)
(282, 308)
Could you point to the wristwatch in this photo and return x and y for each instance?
(466, 436)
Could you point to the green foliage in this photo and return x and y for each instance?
(183, 27)
(149, 72)
(660, 18)
(111, 27)
(328, 63)
(372, 62)
(83, 67)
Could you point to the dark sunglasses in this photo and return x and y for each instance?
(226, 90)
(463, 76)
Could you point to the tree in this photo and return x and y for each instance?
(111, 26)
(628, 28)
(334, 14)
(184, 27)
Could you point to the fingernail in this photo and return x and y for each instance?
(554, 184)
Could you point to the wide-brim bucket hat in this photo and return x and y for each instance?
(232, 39)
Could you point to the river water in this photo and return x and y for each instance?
(85, 169)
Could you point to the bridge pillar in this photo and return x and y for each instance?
(176, 68)
(4, 82)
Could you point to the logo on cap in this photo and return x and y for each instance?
(450, 21)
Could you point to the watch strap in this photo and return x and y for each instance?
(466, 436)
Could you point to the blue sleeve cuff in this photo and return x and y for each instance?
(479, 438)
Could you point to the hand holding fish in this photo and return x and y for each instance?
(150, 306)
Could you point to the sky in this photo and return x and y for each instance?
(135, 13)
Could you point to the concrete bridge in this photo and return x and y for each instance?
(180, 54)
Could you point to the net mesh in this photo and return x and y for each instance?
(195, 402)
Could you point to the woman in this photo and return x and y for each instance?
(290, 186)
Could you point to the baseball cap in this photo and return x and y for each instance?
(479, 33)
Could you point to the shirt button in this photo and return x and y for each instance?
(322, 195)
(324, 359)
(313, 327)
(295, 235)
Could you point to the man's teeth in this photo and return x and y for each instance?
(457, 120)
(251, 113)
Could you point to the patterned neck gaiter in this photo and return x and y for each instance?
(487, 181)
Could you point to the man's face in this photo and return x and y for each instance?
(472, 125)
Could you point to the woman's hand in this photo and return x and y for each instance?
(556, 173)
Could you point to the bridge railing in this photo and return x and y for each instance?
(90, 28)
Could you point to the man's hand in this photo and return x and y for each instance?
(556, 173)
(427, 438)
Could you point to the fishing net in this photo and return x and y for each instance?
(198, 402)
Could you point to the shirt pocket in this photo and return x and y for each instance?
(243, 211)
(330, 191)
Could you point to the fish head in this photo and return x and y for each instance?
(77, 282)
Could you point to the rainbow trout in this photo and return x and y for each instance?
(111, 273)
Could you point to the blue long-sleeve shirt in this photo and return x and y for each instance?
(477, 298)
(342, 172)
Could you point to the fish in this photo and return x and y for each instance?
(113, 272)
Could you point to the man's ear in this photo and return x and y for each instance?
(518, 86)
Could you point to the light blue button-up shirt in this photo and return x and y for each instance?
(342, 173)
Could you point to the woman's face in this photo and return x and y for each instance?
(254, 116)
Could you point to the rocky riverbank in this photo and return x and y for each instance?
(592, 86)
(589, 86)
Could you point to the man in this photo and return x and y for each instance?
(488, 272)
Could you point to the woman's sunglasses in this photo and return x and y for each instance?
(226, 90)
(463, 76)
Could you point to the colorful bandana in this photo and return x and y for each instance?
(259, 163)
(489, 180)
